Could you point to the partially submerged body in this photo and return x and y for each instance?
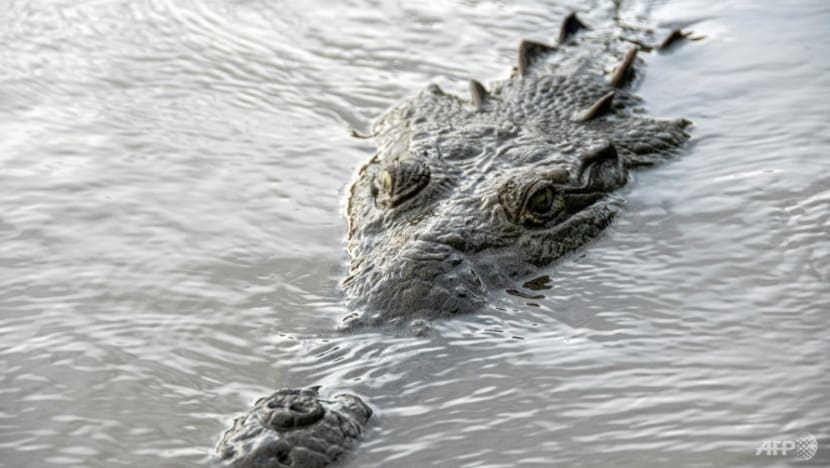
(464, 196)
(294, 427)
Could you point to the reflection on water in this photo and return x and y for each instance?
(171, 181)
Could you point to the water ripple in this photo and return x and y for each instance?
(172, 180)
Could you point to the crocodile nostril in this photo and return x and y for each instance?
(299, 409)
(283, 456)
(290, 411)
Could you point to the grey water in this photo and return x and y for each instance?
(172, 189)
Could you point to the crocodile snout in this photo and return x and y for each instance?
(427, 280)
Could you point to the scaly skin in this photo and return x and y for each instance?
(440, 214)
(294, 427)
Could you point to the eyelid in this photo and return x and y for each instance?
(534, 188)
(514, 196)
(407, 177)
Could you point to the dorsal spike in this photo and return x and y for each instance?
(433, 88)
(599, 108)
(570, 26)
(623, 72)
(478, 94)
(675, 36)
(529, 51)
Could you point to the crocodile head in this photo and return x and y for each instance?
(466, 196)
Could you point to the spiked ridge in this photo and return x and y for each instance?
(437, 252)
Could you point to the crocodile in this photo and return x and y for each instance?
(294, 427)
(466, 196)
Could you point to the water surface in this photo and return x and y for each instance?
(172, 180)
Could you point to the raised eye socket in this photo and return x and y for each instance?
(531, 204)
(402, 180)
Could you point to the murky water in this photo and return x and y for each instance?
(172, 180)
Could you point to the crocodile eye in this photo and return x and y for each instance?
(532, 204)
(402, 180)
(387, 182)
(541, 204)
(541, 201)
